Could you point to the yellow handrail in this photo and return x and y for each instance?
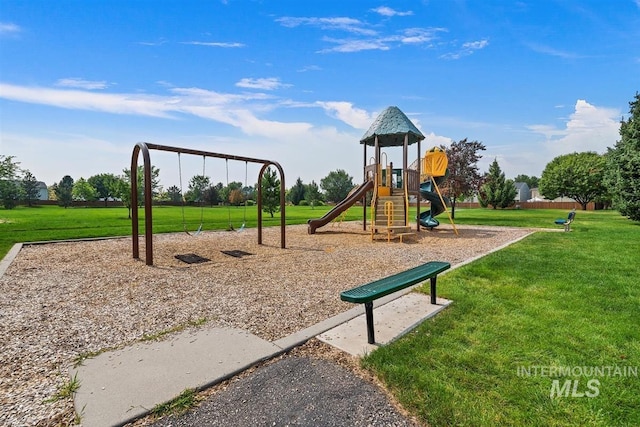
(388, 211)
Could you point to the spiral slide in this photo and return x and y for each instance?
(353, 197)
(428, 192)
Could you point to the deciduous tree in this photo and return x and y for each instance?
(104, 184)
(578, 176)
(84, 191)
(336, 185)
(464, 178)
(197, 186)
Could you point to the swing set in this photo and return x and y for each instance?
(184, 202)
(143, 147)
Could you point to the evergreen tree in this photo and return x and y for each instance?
(174, 194)
(9, 193)
(296, 194)
(29, 188)
(623, 172)
(497, 191)
(9, 190)
(312, 194)
(64, 191)
(270, 192)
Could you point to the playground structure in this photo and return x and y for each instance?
(394, 188)
(143, 147)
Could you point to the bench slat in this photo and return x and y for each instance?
(388, 285)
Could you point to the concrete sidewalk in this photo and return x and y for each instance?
(120, 386)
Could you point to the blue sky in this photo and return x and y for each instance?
(299, 82)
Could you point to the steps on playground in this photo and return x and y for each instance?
(398, 214)
(397, 227)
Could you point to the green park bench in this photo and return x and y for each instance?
(366, 294)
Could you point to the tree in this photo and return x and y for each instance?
(296, 193)
(8, 167)
(122, 191)
(578, 176)
(270, 192)
(312, 194)
(212, 195)
(225, 192)
(9, 190)
(155, 182)
(197, 186)
(64, 191)
(623, 171)
(497, 191)
(9, 193)
(104, 185)
(336, 185)
(464, 179)
(29, 187)
(236, 197)
(174, 194)
(84, 191)
(531, 181)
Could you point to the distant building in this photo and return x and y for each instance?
(43, 191)
(523, 193)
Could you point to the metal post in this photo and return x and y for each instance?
(368, 309)
(433, 290)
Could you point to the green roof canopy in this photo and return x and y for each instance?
(391, 126)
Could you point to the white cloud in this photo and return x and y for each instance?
(349, 45)
(467, 49)
(433, 140)
(81, 83)
(146, 105)
(270, 83)
(589, 128)
(349, 25)
(548, 50)
(346, 112)
(215, 44)
(309, 68)
(8, 28)
(387, 11)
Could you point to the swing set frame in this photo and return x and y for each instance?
(144, 147)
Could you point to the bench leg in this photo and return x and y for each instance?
(368, 312)
(433, 289)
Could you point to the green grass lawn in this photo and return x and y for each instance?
(553, 300)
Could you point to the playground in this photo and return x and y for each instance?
(69, 301)
(92, 296)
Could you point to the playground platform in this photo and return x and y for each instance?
(120, 386)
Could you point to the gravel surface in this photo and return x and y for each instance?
(62, 301)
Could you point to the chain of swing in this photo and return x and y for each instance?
(183, 199)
